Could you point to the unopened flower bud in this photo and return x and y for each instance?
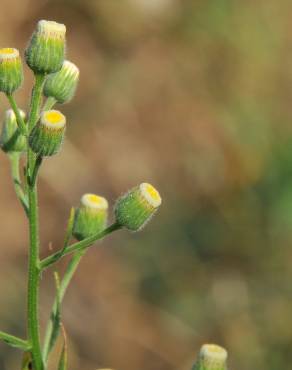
(11, 74)
(134, 209)
(11, 140)
(91, 216)
(46, 50)
(48, 134)
(211, 357)
(62, 85)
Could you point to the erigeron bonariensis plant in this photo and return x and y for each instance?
(39, 136)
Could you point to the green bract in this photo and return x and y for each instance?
(62, 85)
(11, 139)
(11, 74)
(134, 209)
(91, 216)
(48, 134)
(46, 50)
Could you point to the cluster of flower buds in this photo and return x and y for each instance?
(11, 140)
(132, 211)
(211, 357)
(45, 56)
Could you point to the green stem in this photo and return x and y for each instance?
(14, 161)
(79, 246)
(33, 280)
(36, 100)
(20, 121)
(15, 341)
(34, 269)
(36, 168)
(50, 102)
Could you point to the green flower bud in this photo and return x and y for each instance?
(46, 50)
(211, 357)
(62, 85)
(11, 140)
(91, 216)
(134, 209)
(11, 74)
(48, 134)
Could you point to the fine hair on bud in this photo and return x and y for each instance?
(11, 140)
(62, 85)
(135, 208)
(47, 136)
(211, 357)
(46, 50)
(11, 73)
(91, 216)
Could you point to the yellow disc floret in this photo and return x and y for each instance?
(151, 195)
(94, 201)
(53, 119)
(8, 53)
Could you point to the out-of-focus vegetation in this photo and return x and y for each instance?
(195, 97)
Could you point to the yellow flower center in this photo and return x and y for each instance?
(53, 117)
(152, 192)
(95, 199)
(94, 202)
(7, 51)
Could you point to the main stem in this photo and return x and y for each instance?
(34, 269)
(33, 280)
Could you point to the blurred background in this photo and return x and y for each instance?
(193, 96)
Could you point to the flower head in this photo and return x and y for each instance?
(91, 216)
(46, 50)
(11, 140)
(134, 209)
(11, 74)
(211, 357)
(62, 85)
(48, 134)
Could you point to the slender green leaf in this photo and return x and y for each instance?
(13, 341)
(55, 315)
(63, 362)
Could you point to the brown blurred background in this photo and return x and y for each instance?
(193, 96)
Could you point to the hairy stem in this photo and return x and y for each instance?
(20, 121)
(79, 246)
(50, 102)
(34, 270)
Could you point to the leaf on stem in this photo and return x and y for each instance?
(63, 362)
(13, 341)
(55, 315)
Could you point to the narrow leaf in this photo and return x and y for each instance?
(56, 315)
(13, 341)
(63, 362)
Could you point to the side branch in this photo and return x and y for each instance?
(79, 246)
